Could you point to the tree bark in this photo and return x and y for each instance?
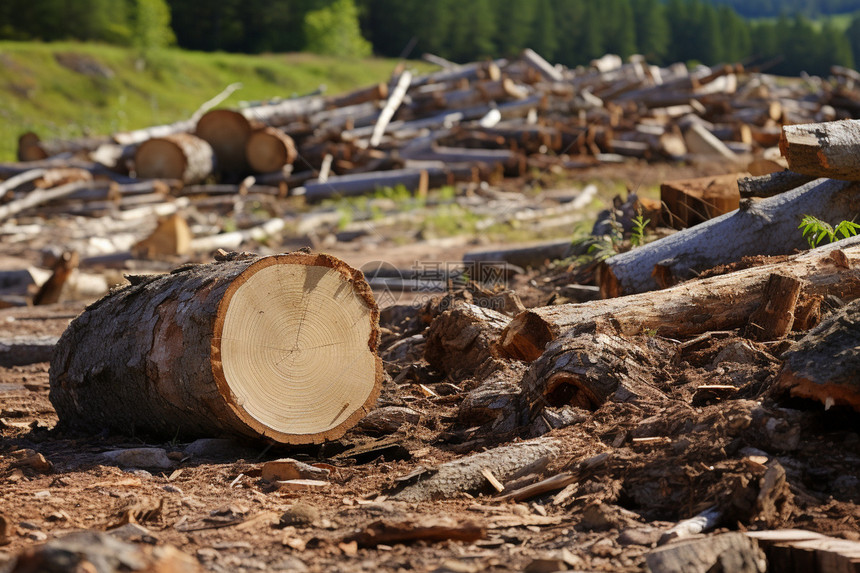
(823, 149)
(824, 364)
(280, 347)
(269, 149)
(771, 184)
(718, 303)
(774, 317)
(586, 369)
(362, 183)
(767, 227)
(180, 156)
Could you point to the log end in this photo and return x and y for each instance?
(525, 337)
(294, 348)
(610, 287)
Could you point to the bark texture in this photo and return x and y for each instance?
(768, 227)
(823, 149)
(824, 364)
(718, 303)
(234, 347)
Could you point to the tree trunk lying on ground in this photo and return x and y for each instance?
(178, 156)
(587, 369)
(227, 131)
(269, 149)
(716, 303)
(823, 149)
(280, 347)
(768, 227)
(824, 364)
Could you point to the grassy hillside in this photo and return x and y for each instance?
(65, 90)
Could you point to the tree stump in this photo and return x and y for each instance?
(178, 156)
(280, 347)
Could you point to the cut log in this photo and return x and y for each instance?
(799, 551)
(771, 184)
(180, 156)
(823, 149)
(50, 291)
(39, 197)
(394, 101)
(689, 202)
(544, 68)
(525, 257)
(717, 303)
(732, 551)
(227, 132)
(767, 227)
(700, 141)
(280, 347)
(269, 149)
(462, 338)
(774, 317)
(587, 369)
(29, 148)
(363, 183)
(23, 350)
(823, 365)
(465, 475)
(171, 237)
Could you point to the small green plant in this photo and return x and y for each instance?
(637, 236)
(815, 230)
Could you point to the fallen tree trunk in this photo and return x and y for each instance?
(824, 364)
(771, 184)
(718, 303)
(767, 227)
(38, 197)
(361, 183)
(179, 156)
(280, 347)
(823, 149)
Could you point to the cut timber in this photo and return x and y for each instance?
(689, 202)
(767, 227)
(269, 149)
(180, 156)
(774, 317)
(453, 478)
(587, 369)
(227, 132)
(29, 148)
(394, 101)
(171, 237)
(717, 303)
(38, 197)
(700, 141)
(280, 347)
(462, 338)
(771, 184)
(544, 68)
(799, 551)
(363, 183)
(823, 149)
(50, 291)
(525, 257)
(732, 551)
(23, 350)
(823, 365)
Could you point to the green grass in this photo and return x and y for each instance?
(39, 94)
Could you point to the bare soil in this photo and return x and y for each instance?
(763, 460)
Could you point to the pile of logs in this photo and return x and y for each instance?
(461, 123)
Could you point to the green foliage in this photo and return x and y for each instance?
(815, 230)
(334, 31)
(637, 236)
(151, 27)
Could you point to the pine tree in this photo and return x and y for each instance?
(619, 31)
(543, 38)
(652, 29)
(514, 29)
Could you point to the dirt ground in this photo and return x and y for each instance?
(762, 460)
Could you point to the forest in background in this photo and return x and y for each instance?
(570, 32)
